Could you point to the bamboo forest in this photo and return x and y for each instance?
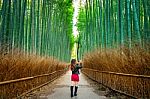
(110, 39)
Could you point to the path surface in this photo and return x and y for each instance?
(60, 89)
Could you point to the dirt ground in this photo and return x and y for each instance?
(88, 89)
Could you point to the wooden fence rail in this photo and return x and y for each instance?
(14, 88)
(137, 86)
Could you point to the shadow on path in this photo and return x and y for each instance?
(60, 89)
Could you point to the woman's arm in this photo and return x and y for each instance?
(79, 66)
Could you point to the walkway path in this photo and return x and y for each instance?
(60, 89)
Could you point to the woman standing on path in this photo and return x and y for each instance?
(75, 76)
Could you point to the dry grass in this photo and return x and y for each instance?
(133, 61)
(18, 65)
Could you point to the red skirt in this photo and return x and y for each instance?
(74, 77)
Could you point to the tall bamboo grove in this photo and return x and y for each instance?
(107, 24)
(43, 27)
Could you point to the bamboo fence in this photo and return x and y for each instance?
(19, 87)
(136, 86)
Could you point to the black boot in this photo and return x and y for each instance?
(71, 89)
(75, 92)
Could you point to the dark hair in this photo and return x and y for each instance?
(73, 61)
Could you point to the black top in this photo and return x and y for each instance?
(76, 69)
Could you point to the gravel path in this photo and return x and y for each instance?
(60, 89)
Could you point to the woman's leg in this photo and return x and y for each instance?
(71, 88)
(73, 83)
(76, 88)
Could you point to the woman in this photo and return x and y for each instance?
(74, 77)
